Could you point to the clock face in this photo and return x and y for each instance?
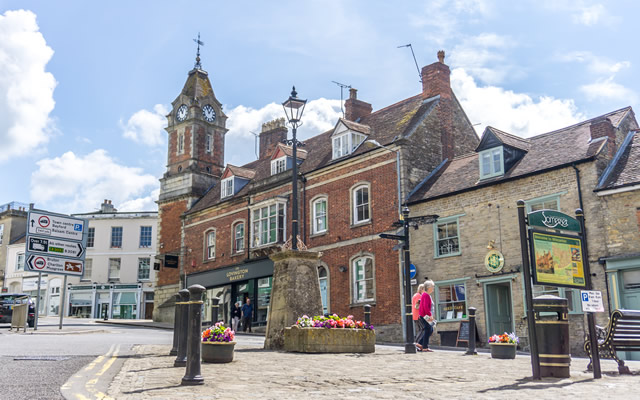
(181, 114)
(209, 113)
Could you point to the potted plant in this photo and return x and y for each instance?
(330, 334)
(218, 344)
(504, 346)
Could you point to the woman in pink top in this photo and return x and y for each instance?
(416, 314)
(426, 315)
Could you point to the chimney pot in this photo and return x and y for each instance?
(441, 56)
(355, 109)
(353, 93)
(273, 132)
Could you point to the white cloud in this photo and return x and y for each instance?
(73, 184)
(146, 203)
(595, 64)
(147, 127)
(474, 53)
(515, 113)
(26, 89)
(444, 17)
(319, 116)
(608, 90)
(589, 15)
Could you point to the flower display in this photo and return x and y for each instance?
(505, 338)
(218, 333)
(332, 321)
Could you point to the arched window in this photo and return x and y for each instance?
(360, 205)
(363, 279)
(324, 292)
(319, 210)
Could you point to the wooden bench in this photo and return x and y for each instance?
(622, 334)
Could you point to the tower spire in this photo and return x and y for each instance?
(198, 65)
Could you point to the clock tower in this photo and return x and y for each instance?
(195, 161)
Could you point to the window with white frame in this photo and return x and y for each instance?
(208, 143)
(20, 262)
(268, 224)
(116, 236)
(226, 189)
(278, 165)
(363, 279)
(210, 239)
(346, 143)
(491, 163)
(319, 207)
(451, 300)
(114, 268)
(447, 237)
(361, 211)
(180, 146)
(238, 237)
(144, 268)
(88, 269)
(145, 236)
(551, 202)
(91, 237)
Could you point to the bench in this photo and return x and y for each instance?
(622, 334)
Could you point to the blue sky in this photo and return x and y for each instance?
(84, 86)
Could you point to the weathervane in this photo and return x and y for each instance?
(198, 65)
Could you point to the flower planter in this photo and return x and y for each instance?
(217, 352)
(325, 340)
(505, 351)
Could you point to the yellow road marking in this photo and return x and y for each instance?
(109, 363)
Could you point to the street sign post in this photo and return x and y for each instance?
(55, 247)
(55, 225)
(55, 265)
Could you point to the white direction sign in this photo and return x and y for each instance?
(55, 226)
(591, 301)
(55, 265)
(55, 247)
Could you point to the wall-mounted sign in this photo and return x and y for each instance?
(592, 301)
(557, 260)
(170, 261)
(494, 261)
(553, 220)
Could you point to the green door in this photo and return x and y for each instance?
(630, 299)
(499, 316)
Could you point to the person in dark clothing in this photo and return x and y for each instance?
(247, 315)
(236, 314)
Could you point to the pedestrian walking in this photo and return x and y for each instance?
(236, 314)
(415, 305)
(247, 315)
(426, 315)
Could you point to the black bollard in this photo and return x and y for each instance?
(183, 313)
(367, 314)
(192, 375)
(471, 349)
(176, 320)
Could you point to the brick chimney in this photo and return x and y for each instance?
(436, 81)
(273, 132)
(602, 127)
(354, 108)
(107, 207)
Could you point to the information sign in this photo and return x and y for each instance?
(52, 225)
(55, 247)
(55, 265)
(592, 301)
(557, 260)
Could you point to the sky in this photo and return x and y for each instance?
(85, 86)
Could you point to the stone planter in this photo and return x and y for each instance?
(505, 351)
(329, 340)
(217, 352)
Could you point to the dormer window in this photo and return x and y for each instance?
(278, 165)
(226, 189)
(346, 143)
(491, 162)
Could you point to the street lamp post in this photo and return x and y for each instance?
(293, 108)
(409, 347)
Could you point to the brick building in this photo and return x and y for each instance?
(475, 195)
(223, 223)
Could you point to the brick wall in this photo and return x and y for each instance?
(169, 226)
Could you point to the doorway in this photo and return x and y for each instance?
(630, 299)
(499, 308)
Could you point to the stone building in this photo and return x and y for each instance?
(13, 225)
(475, 197)
(350, 181)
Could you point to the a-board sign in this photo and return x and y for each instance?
(463, 333)
(557, 260)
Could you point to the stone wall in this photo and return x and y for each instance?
(164, 308)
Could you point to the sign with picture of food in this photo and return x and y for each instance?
(558, 260)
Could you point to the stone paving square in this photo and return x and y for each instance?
(386, 374)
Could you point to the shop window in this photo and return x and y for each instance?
(447, 237)
(363, 279)
(114, 269)
(491, 163)
(361, 212)
(88, 269)
(20, 262)
(116, 236)
(91, 237)
(144, 267)
(268, 225)
(451, 301)
(238, 237)
(210, 238)
(319, 215)
(145, 236)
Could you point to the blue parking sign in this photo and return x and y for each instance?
(77, 227)
(585, 296)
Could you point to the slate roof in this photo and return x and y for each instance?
(197, 85)
(384, 126)
(625, 170)
(301, 154)
(511, 140)
(544, 152)
(241, 172)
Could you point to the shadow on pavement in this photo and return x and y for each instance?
(545, 384)
(152, 389)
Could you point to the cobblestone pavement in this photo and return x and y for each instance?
(386, 374)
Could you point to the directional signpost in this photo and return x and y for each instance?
(56, 244)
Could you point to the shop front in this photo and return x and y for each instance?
(117, 301)
(623, 274)
(235, 284)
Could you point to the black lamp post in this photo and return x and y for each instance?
(293, 108)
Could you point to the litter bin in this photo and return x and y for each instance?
(552, 331)
(19, 317)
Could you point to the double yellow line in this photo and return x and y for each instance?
(94, 371)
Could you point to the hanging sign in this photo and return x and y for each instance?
(557, 260)
(494, 261)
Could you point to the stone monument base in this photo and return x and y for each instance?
(329, 340)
